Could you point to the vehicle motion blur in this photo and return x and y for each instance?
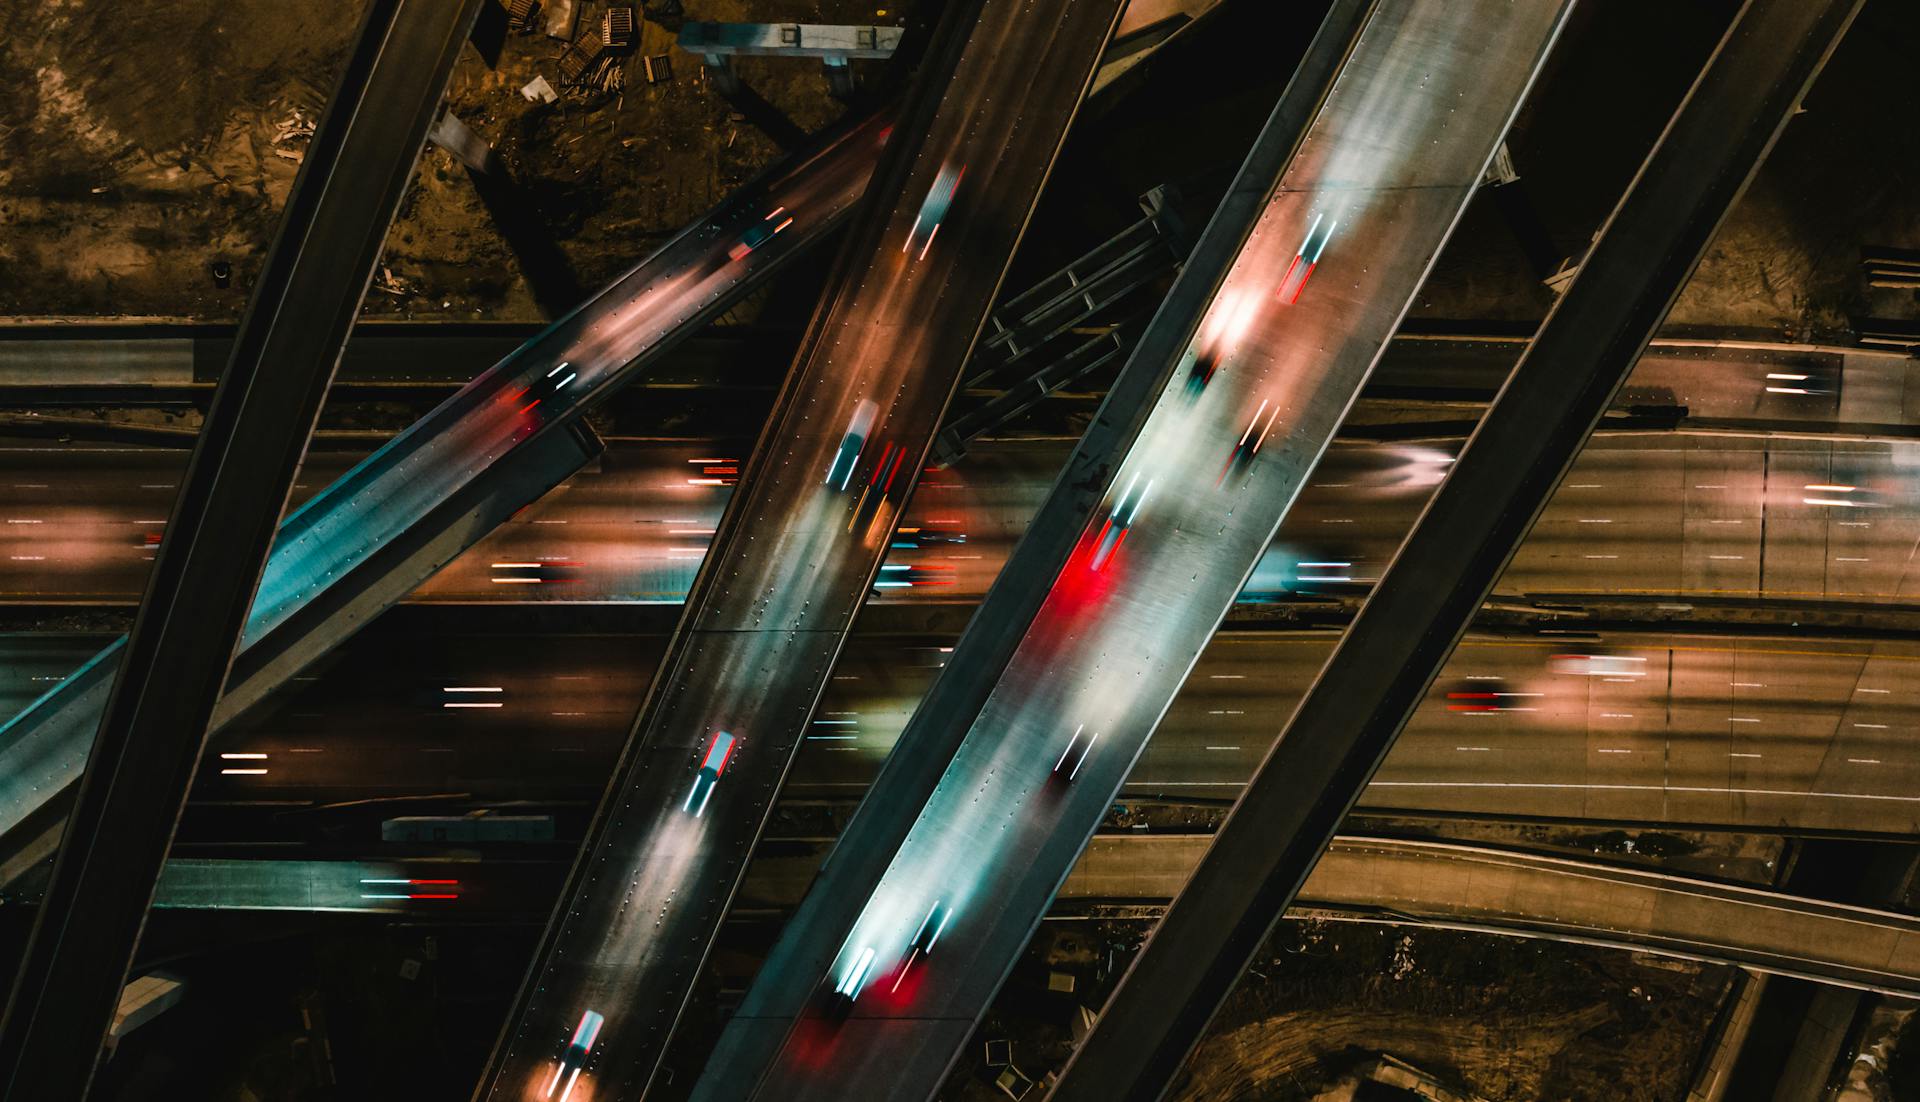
(712, 765)
(574, 1060)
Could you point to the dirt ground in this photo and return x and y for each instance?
(1842, 176)
(146, 141)
(1509, 1019)
(1786, 262)
(137, 144)
(1505, 1019)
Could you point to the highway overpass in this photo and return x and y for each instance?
(1193, 497)
(393, 519)
(803, 536)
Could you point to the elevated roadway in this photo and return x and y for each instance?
(388, 523)
(154, 712)
(1533, 895)
(802, 540)
(1390, 159)
(1431, 883)
(1439, 580)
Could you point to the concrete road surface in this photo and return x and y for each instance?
(1311, 301)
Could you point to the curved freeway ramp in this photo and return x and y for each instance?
(1534, 895)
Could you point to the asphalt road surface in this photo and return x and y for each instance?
(1679, 513)
(1684, 729)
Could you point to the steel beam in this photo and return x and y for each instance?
(1367, 691)
(236, 486)
(716, 41)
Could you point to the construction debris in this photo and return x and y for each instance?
(617, 28)
(588, 65)
(296, 126)
(539, 91)
(391, 284)
(520, 14)
(579, 58)
(609, 74)
(659, 68)
(562, 17)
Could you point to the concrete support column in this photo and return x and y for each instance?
(720, 74)
(467, 146)
(840, 80)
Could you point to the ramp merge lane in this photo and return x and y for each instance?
(328, 574)
(797, 551)
(1384, 171)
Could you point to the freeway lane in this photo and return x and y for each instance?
(801, 540)
(1690, 730)
(1753, 733)
(1655, 514)
(1726, 382)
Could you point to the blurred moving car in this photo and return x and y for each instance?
(923, 938)
(851, 444)
(1487, 694)
(712, 765)
(760, 233)
(574, 1060)
(933, 210)
(1309, 251)
(1113, 532)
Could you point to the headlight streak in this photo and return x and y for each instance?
(574, 1060)
(400, 882)
(1309, 252)
(856, 976)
